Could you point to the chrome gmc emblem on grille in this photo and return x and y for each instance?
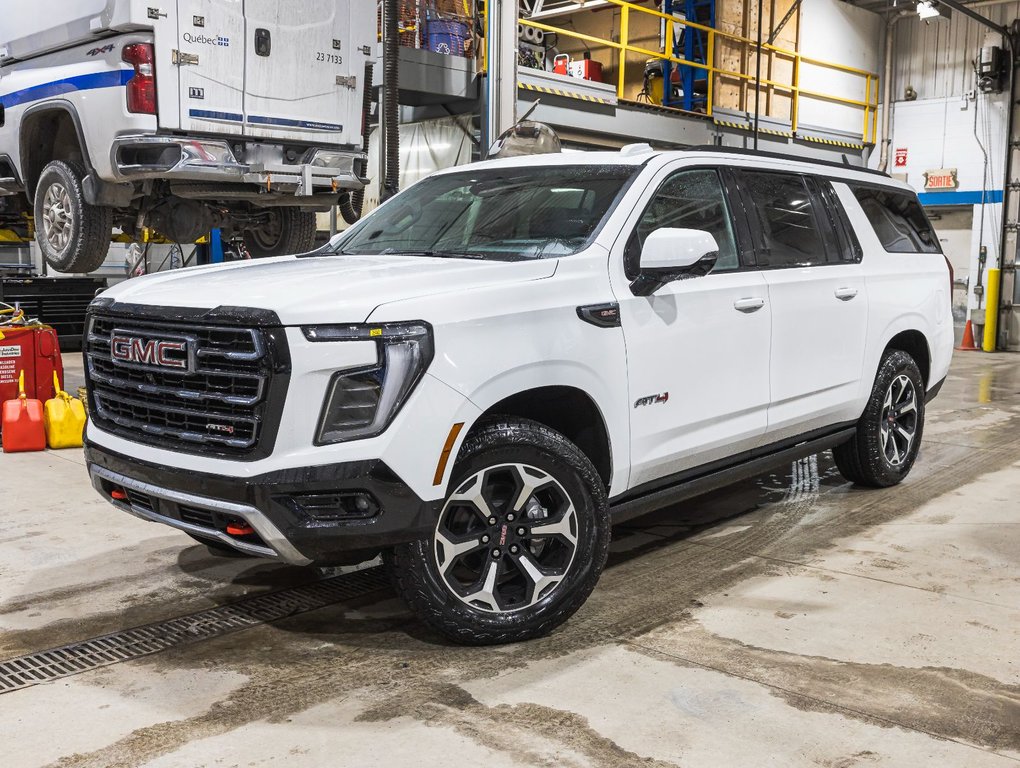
(157, 352)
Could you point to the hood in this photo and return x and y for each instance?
(322, 289)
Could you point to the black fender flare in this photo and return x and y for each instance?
(49, 106)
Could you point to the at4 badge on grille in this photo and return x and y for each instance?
(127, 348)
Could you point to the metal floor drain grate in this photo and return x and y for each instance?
(127, 644)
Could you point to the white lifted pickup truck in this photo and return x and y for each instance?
(483, 373)
(179, 116)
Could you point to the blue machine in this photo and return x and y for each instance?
(690, 45)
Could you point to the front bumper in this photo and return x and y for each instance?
(271, 504)
(136, 158)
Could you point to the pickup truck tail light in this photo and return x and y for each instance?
(141, 89)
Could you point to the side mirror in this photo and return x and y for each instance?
(674, 254)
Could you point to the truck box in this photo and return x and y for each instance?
(224, 67)
(27, 32)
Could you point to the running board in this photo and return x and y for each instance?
(711, 481)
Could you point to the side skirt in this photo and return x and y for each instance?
(687, 486)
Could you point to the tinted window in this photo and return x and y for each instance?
(498, 214)
(789, 231)
(848, 247)
(688, 200)
(898, 219)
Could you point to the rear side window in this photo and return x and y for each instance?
(898, 219)
(790, 233)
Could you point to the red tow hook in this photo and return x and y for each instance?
(239, 529)
(118, 494)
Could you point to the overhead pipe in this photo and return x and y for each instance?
(890, 29)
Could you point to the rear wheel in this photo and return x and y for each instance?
(519, 544)
(281, 232)
(888, 436)
(72, 235)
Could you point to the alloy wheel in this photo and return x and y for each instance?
(899, 422)
(506, 538)
(58, 216)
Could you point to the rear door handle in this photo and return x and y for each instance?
(845, 294)
(749, 305)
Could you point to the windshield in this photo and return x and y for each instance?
(503, 214)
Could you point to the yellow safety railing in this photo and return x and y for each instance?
(868, 103)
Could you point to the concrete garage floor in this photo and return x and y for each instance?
(788, 621)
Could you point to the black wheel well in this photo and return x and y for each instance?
(916, 345)
(48, 134)
(572, 413)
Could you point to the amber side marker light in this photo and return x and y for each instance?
(444, 457)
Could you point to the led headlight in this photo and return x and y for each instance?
(362, 402)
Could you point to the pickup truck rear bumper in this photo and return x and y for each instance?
(333, 514)
(180, 158)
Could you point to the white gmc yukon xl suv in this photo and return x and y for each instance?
(482, 374)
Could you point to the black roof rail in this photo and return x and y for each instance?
(844, 164)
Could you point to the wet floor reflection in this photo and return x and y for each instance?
(796, 487)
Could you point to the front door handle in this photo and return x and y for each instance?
(845, 294)
(749, 305)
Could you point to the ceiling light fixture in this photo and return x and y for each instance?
(930, 9)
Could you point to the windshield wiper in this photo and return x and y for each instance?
(436, 254)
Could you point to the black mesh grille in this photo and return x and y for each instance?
(218, 402)
(140, 500)
(196, 516)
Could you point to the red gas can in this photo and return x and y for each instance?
(34, 350)
(23, 427)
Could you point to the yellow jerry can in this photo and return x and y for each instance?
(64, 419)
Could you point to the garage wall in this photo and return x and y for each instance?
(740, 17)
(950, 125)
(935, 58)
(424, 147)
(956, 133)
(838, 32)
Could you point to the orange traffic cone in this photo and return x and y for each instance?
(967, 342)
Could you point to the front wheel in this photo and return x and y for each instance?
(519, 544)
(281, 232)
(885, 445)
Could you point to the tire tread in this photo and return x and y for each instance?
(408, 574)
(859, 459)
(95, 222)
(298, 235)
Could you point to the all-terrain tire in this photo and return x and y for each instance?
(869, 458)
(529, 478)
(72, 235)
(287, 231)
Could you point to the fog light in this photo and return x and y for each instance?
(341, 507)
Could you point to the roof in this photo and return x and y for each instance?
(642, 154)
